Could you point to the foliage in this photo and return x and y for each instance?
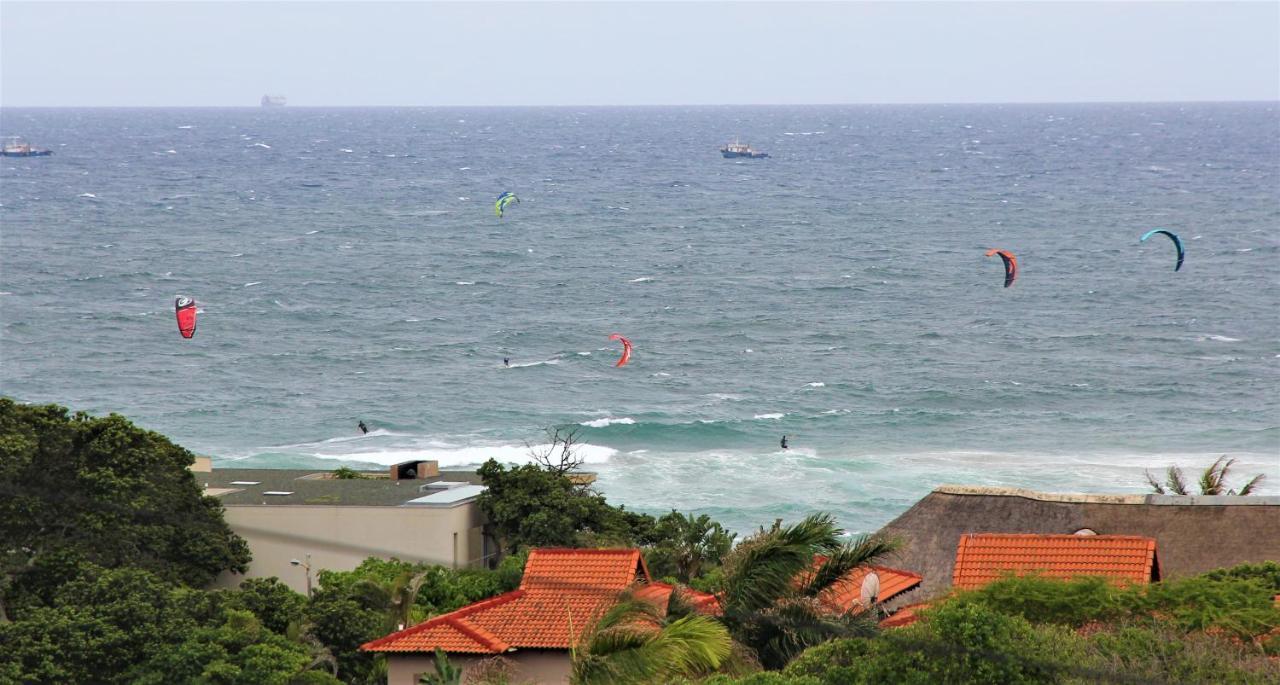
(241, 651)
(1213, 480)
(685, 546)
(446, 673)
(632, 643)
(1236, 601)
(79, 488)
(772, 588)
(275, 604)
(342, 625)
(1268, 572)
(531, 506)
(348, 473)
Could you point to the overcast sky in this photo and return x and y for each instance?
(622, 53)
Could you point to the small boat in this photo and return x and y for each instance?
(273, 101)
(17, 147)
(736, 149)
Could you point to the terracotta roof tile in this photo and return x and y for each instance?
(982, 558)
(562, 591)
(905, 616)
(847, 592)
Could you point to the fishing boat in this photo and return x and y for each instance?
(736, 149)
(17, 147)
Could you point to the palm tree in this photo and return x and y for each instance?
(693, 542)
(636, 642)
(395, 597)
(446, 673)
(1213, 481)
(771, 599)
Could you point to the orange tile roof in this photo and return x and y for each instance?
(660, 593)
(562, 591)
(982, 558)
(846, 593)
(905, 616)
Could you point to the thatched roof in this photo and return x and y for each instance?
(1193, 534)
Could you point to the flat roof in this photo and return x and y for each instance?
(450, 497)
(244, 487)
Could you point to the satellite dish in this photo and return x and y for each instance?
(870, 588)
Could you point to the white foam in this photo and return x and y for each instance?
(601, 423)
(774, 416)
(584, 354)
(312, 232)
(642, 279)
(346, 150)
(186, 127)
(548, 362)
(88, 195)
(451, 455)
(1217, 338)
(252, 283)
(816, 384)
(464, 282)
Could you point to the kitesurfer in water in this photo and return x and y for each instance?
(784, 443)
(364, 430)
(506, 361)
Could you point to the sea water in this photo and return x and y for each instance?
(348, 266)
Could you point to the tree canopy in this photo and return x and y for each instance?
(77, 488)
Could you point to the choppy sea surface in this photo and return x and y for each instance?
(348, 265)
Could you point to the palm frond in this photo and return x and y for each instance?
(792, 626)
(692, 645)
(765, 566)
(1248, 487)
(1173, 478)
(1213, 479)
(860, 552)
(1156, 487)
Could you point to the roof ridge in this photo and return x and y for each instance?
(443, 619)
(478, 633)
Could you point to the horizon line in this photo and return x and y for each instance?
(633, 105)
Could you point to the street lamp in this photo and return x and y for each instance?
(307, 566)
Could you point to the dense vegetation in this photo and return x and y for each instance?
(108, 546)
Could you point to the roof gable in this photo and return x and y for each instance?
(982, 558)
(562, 591)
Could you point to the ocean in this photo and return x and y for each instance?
(348, 266)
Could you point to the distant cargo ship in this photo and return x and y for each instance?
(17, 147)
(273, 101)
(736, 149)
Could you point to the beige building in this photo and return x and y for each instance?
(298, 522)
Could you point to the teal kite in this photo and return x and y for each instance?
(504, 200)
(1176, 243)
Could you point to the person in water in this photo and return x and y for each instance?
(364, 430)
(784, 442)
(506, 361)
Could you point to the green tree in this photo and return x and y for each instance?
(685, 546)
(771, 587)
(275, 604)
(80, 488)
(99, 625)
(240, 651)
(1213, 480)
(533, 506)
(634, 643)
(342, 624)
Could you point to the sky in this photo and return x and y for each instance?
(634, 53)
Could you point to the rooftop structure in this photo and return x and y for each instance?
(562, 592)
(982, 558)
(1243, 529)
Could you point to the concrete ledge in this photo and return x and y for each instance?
(1040, 496)
(1163, 500)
